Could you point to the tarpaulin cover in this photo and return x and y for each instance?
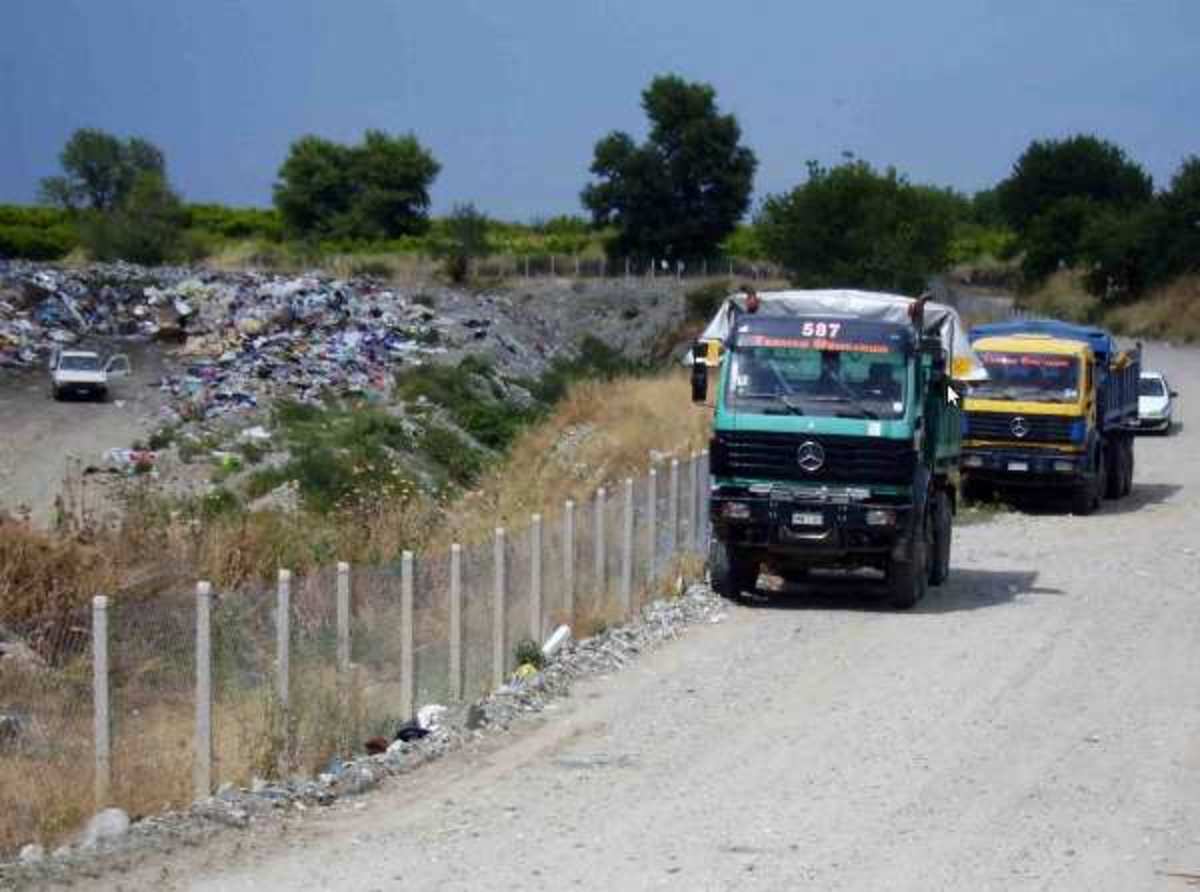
(940, 320)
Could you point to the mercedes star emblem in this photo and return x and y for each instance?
(810, 456)
(1019, 426)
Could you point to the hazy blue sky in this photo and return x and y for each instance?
(512, 96)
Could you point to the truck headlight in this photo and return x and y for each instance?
(881, 517)
(736, 511)
(972, 461)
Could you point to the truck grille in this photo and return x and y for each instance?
(1005, 426)
(844, 459)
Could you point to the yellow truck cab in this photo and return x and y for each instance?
(1058, 411)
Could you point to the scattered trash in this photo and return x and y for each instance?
(109, 824)
(410, 731)
(430, 716)
(560, 637)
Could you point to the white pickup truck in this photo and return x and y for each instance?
(83, 372)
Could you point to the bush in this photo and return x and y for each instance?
(462, 463)
(147, 228)
(704, 300)
(34, 243)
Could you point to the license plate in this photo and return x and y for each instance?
(1018, 466)
(808, 519)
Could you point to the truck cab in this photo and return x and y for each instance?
(1056, 413)
(84, 373)
(835, 444)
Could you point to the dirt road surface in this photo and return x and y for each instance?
(39, 434)
(1033, 725)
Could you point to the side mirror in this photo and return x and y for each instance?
(699, 373)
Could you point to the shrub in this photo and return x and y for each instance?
(462, 463)
(704, 300)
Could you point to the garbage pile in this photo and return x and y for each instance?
(243, 339)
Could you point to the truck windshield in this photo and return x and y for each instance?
(80, 364)
(1029, 376)
(830, 383)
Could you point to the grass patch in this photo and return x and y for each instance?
(1169, 313)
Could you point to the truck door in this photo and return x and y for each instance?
(117, 366)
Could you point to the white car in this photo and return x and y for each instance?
(1156, 403)
(83, 372)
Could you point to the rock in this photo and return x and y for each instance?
(32, 854)
(110, 824)
(476, 717)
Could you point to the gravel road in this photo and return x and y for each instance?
(39, 433)
(1033, 725)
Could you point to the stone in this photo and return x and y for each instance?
(107, 825)
(32, 854)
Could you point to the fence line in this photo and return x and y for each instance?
(278, 681)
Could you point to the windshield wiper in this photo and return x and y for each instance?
(863, 411)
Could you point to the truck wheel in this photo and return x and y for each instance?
(1128, 485)
(1114, 483)
(909, 580)
(1086, 497)
(943, 530)
(731, 573)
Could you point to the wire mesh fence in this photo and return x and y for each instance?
(151, 703)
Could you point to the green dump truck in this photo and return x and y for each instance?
(836, 436)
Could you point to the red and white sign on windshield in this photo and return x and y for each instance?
(1027, 360)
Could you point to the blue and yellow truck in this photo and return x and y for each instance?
(836, 436)
(1058, 411)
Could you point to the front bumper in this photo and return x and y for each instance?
(1024, 467)
(809, 530)
(1153, 423)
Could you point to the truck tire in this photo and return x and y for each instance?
(943, 531)
(1128, 488)
(730, 572)
(1086, 496)
(908, 580)
(1114, 480)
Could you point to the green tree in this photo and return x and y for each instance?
(463, 237)
(378, 189)
(99, 170)
(852, 226)
(1181, 219)
(1082, 166)
(1122, 251)
(146, 228)
(683, 190)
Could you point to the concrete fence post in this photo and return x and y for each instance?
(652, 524)
(673, 507)
(456, 623)
(100, 708)
(693, 495)
(499, 613)
(203, 754)
(569, 561)
(283, 656)
(343, 621)
(627, 551)
(705, 494)
(283, 638)
(408, 687)
(599, 545)
(535, 579)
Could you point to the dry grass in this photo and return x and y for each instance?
(1062, 296)
(601, 433)
(1170, 313)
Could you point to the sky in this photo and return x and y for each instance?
(512, 97)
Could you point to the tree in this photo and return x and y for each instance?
(99, 170)
(682, 191)
(1082, 166)
(146, 228)
(851, 226)
(378, 189)
(463, 237)
(1181, 219)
